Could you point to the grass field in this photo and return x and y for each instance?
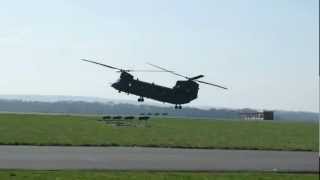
(97, 175)
(73, 130)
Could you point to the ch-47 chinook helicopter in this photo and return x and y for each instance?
(182, 93)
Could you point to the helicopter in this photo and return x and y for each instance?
(183, 92)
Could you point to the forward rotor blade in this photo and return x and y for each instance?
(166, 70)
(102, 64)
(211, 84)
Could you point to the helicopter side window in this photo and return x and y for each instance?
(178, 85)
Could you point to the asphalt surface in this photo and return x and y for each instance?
(120, 158)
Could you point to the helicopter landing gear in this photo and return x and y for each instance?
(140, 99)
(178, 106)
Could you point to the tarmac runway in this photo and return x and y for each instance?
(122, 158)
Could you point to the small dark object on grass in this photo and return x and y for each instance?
(129, 117)
(144, 118)
(117, 117)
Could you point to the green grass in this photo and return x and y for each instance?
(97, 175)
(72, 130)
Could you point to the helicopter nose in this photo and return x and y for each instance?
(115, 85)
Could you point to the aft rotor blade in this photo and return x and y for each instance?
(211, 84)
(166, 70)
(196, 77)
(102, 64)
(133, 70)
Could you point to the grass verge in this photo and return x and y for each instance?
(19, 129)
(102, 175)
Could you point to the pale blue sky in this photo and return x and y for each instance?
(265, 51)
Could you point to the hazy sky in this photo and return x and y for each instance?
(265, 51)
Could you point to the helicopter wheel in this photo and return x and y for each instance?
(178, 106)
(140, 99)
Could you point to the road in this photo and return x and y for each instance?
(122, 158)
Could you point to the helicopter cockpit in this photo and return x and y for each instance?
(187, 86)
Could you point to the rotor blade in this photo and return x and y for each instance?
(196, 77)
(133, 70)
(172, 72)
(211, 84)
(102, 64)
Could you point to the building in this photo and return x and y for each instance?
(265, 115)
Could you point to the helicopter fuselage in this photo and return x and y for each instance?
(182, 93)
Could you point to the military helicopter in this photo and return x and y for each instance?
(182, 93)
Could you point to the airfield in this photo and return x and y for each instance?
(165, 144)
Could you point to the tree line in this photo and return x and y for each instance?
(110, 108)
